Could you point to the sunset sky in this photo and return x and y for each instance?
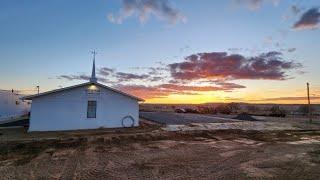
(165, 51)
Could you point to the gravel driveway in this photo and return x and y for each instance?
(170, 118)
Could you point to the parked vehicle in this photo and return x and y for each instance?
(180, 110)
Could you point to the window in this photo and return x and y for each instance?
(92, 109)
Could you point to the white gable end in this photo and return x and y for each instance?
(67, 109)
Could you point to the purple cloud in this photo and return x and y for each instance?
(220, 65)
(309, 20)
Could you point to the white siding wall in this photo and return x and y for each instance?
(67, 110)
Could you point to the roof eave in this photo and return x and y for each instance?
(30, 97)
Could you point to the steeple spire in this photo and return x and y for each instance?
(93, 74)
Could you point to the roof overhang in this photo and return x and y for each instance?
(30, 97)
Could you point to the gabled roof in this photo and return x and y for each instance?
(80, 85)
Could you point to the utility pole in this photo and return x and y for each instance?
(38, 89)
(309, 107)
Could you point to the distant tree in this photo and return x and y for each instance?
(223, 109)
(234, 107)
(212, 110)
(252, 109)
(276, 111)
(304, 109)
(207, 110)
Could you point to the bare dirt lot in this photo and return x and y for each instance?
(159, 154)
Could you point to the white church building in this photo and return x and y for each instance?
(89, 105)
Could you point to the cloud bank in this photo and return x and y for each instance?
(143, 9)
(220, 65)
(164, 90)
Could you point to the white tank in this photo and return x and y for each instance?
(11, 105)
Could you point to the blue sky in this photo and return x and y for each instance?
(41, 40)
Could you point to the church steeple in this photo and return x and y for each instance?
(93, 74)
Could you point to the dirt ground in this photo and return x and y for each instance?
(22, 134)
(152, 153)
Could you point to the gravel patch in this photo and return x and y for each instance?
(182, 118)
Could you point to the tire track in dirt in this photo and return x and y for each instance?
(70, 165)
(91, 167)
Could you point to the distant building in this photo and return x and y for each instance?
(11, 105)
(85, 106)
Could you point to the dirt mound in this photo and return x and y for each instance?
(245, 117)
